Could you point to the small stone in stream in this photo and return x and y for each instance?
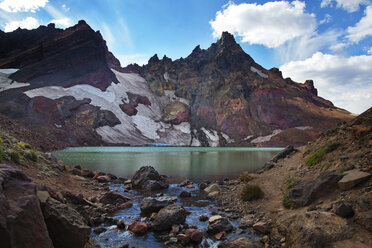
(190, 186)
(194, 235)
(154, 204)
(203, 217)
(262, 227)
(113, 198)
(213, 194)
(185, 183)
(121, 224)
(125, 205)
(246, 221)
(138, 228)
(110, 221)
(202, 186)
(185, 194)
(344, 209)
(128, 186)
(99, 230)
(220, 235)
(215, 217)
(212, 188)
(183, 238)
(219, 225)
(103, 179)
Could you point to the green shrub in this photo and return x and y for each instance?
(245, 177)
(292, 182)
(15, 156)
(251, 192)
(319, 154)
(31, 155)
(287, 203)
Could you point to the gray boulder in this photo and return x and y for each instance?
(21, 220)
(148, 178)
(219, 225)
(154, 204)
(167, 217)
(113, 198)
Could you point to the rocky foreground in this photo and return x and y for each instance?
(313, 196)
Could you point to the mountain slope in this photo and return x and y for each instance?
(66, 84)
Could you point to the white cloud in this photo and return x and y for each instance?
(108, 36)
(363, 28)
(338, 47)
(327, 19)
(64, 22)
(126, 59)
(370, 51)
(271, 24)
(348, 5)
(344, 81)
(28, 23)
(65, 8)
(22, 5)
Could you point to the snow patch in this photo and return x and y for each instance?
(166, 76)
(227, 138)
(304, 128)
(248, 137)
(212, 136)
(266, 138)
(6, 83)
(171, 95)
(259, 72)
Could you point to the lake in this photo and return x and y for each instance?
(194, 163)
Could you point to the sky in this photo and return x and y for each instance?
(329, 41)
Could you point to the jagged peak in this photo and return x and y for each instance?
(197, 49)
(154, 59)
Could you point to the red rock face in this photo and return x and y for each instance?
(134, 99)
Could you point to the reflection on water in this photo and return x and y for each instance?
(195, 163)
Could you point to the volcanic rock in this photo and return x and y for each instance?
(154, 204)
(352, 178)
(113, 198)
(148, 178)
(219, 225)
(167, 217)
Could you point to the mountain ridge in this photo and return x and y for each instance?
(72, 87)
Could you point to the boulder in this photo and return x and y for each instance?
(307, 192)
(313, 229)
(185, 194)
(99, 230)
(138, 228)
(103, 179)
(246, 221)
(167, 217)
(284, 153)
(66, 226)
(239, 243)
(194, 235)
(141, 178)
(203, 218)
(113, 198)
(21, 219)
(75, 199)
(344, 209)
(352, 178)
(212, 188)
(218, 225)
(262, 227)
(154, 204)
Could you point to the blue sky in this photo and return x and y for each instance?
(329, 41)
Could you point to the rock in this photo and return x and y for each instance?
(155, 185)
(185, 194)
(113, 198)
(120, 224)
(185, 183)
(306, 192)
(103, 179)
(126, 205)
(66, 227)
(238, 243)
(99, 230)
(212, 188)
(167, 217)
(154, 204)
(344, 209)
(268, 165)
(87, 173)
(202, 186)
(203, 217)
(220, 235)
(190, 186)
(213, 194)
(262, 227)
(194, 235)
(145, 174)
(246, 221)
(215, 217)
(352, 178)
(75, 199)
(21, 219)
(138, 228)
(176, 113)
(287, 150)
(219, 225)
(313, 229)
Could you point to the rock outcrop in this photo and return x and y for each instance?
(148, 178)
(21, 220)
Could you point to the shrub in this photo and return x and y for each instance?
(31, 155)
(15, 156)
(2, 154)
(292, 182)
(319, 154)
(1, 140)
(287, 203)
(346, 168)
(245, 177)
(251, 192)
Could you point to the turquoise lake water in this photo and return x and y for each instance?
(194, 163)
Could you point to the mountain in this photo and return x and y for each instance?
(66, 85)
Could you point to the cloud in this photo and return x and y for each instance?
(363, 28)
(27, 23)
(327, 19)
(369, 51)
(108, 36)
(344, 81)
(64, 22)
(126, 59)
(271, 24)
(348, 5)
(22, 5)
